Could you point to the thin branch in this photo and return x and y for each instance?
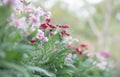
(108, 14)
(91, 21)
(93, 26)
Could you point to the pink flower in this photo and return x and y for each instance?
(100, 58)
(79, 51)
(20, 23)
(21, 0)
(34, 19)
(32, 41)
(69, 56)
(47, 14)
(40, 36)
(84, 46)
(28, 9)
(90, 54)
(44, 26)
(105, 54)
(51, 26)
(38, 11)
(44, 38)
(9, 2)
(40, 33)
(65, 33)
(48, 20)
(66, 26)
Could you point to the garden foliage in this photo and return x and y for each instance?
(30, 46)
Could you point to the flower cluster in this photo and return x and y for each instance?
(10, 2)
(53, 53)
(40, 35)
(101, 59)
(79, 49)
(54, 28)
(28, 18)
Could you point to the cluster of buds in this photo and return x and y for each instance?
(80, 49)
(53, 28)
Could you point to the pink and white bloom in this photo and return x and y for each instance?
(10, 2)
(102, 65)
(28, 9)
(100, 57)
(47, 14)
(20, 23)
(69, 56)
(34, 20)
(40, 36)
(38, 12)
(91, 54)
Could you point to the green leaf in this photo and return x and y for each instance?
(16, 67)
(4, 13)
(41, 70)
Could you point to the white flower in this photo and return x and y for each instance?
(38, 12)
(102, 65)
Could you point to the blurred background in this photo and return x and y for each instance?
(95, 22)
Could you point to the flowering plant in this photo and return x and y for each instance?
(30, 46)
